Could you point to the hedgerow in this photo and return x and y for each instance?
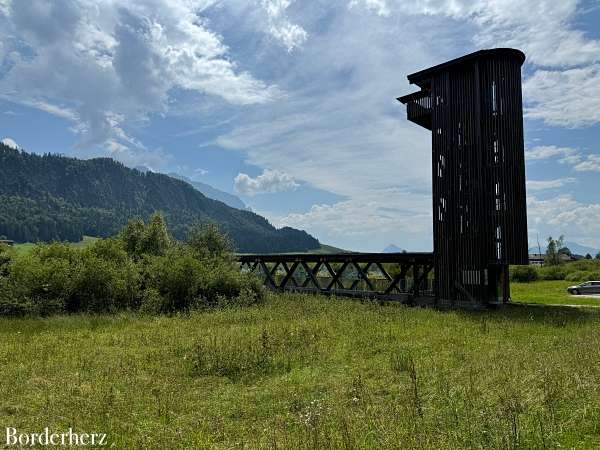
(142, 268)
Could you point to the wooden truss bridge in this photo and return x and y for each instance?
(405, 277)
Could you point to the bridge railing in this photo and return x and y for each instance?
(391, 276)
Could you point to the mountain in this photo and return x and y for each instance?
(576, 249)
(53, 197)
(392, 249)
(211, 192)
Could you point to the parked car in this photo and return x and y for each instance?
(589, 287)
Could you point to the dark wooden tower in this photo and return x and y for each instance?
(473, 107)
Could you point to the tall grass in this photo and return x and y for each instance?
(301, 372)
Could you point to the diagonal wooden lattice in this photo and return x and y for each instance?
(400, 276)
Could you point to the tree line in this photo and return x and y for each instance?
(52, 197)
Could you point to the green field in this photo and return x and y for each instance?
(26, 247)
(310, 372)
(549, 292)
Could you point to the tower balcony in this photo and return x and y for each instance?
(418, 107)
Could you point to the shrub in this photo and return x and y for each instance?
(178, 278)
(140, 269)
(552, 273)
(103, 285)
(43, 278)
(523, 274)
(595, 276)
(152, 302)
(578, 276)
(140, 239)
(5, 258)
(206, 242)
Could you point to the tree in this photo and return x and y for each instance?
(156, 237)
(207, 241)
(598, 255)
(588, 256)
(564, 251)
(551, 258)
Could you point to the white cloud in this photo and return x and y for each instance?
(268, 181)
(367, 215)
(10, 143)
(548, 151)
(545, 31)
(565, 88)
(565, 155)
(380, 7)
(541, 185)
(289, 34)
(564, 214)
(591, 163)
(569, 98)
(108, 65)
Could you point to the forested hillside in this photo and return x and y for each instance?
(53, 197)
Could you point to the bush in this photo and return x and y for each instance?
(552, 273)
(578, 276)
(523, 274)
(140, 269)
(153, 303)
(5, 258)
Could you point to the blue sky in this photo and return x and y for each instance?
(291, 104)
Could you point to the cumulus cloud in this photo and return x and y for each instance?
(269, 181)
(368, 215)
(590, 163)
(579, 161)
(10, 143)
(542, 185)
(548, 151)
(564, 212)
(107, 65)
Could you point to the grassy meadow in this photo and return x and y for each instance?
(550, 292)
(310, 372)
(28, 246)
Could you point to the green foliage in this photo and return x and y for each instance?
(552, 272)
(578, 276)
(5, 258)
(51, 197)
(523, 274)
(141, 269)
(580, 270)
(598, 256)
(141, 239)
(207, 243)
(554, 250)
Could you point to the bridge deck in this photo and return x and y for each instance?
(391, 276)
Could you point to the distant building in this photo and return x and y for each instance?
(7, 241)
(536, 259)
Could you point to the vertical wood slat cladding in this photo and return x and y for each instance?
(478, 165)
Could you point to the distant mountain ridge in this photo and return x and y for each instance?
(211, 192)
(53, 197)
(392, 249)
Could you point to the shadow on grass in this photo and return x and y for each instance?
(556, 315)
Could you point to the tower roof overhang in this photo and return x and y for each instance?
(423, 77)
